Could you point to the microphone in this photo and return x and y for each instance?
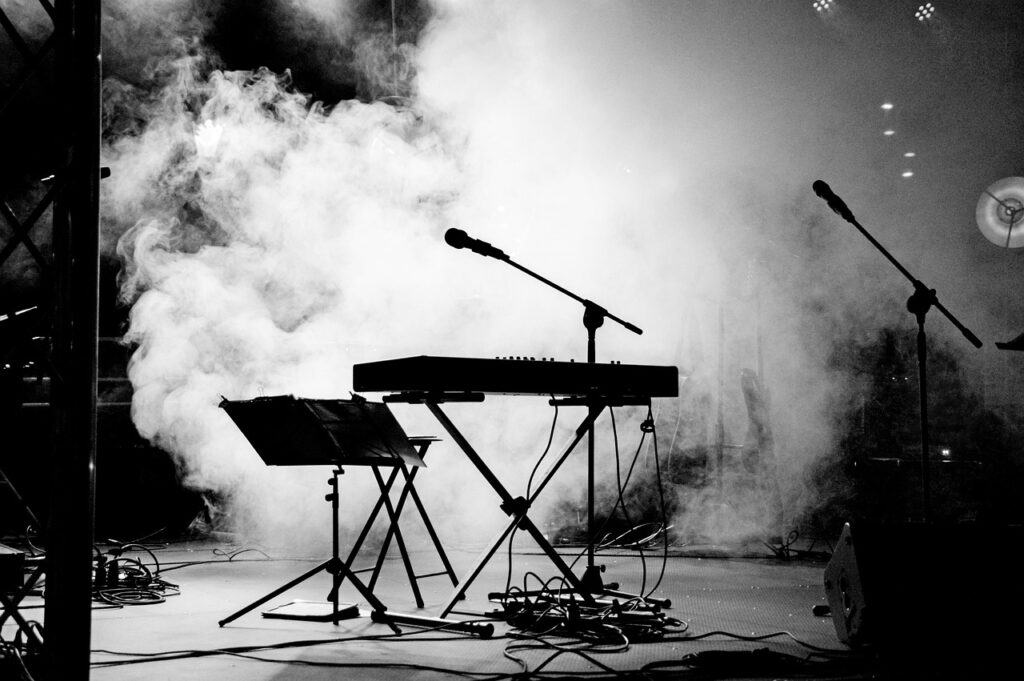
(833, 201)
(457, 238)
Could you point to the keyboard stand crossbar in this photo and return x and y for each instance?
(516, 508)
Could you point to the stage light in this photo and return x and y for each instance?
(909, 154)
(908, 173)
(887, 106)
(822, 6)
(925, 12)
(889, 133)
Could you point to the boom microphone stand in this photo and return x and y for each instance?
(593, 318)
(922, 300)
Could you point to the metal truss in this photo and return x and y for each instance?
(32, 64)
(69, 289)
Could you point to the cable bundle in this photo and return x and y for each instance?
(561, 612)
(120, 581)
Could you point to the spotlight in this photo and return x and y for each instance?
(909, 154)
(822, 6)
(887, 106)
(908, 173)
(924, 12)
(889, 133)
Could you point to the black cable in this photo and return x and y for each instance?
(758, 663)
(621, 501)
(124, 547)
(625, 484)
(124, 581)
(34, 550)
(562, 614)
(139, 540)
(618, 542)
(170, 655)
(547, 448)
(10, 650)
(529, 484)
(559, 651)
(231, 555)
(371, 665)
(765, 637)
(412, 636)
(127, 596)
(168, 567)
(649, 423)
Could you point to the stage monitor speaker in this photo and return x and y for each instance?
(927, 589)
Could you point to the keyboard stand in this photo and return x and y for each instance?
(516, 508)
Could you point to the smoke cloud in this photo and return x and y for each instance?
(656, 158)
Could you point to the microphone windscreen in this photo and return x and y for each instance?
(456, 238)
(821, 189)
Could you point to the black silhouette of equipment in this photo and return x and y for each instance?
(13, 588)
(290, 431)
(1014, 344)
(433, 381)
(920, 302)
(592, 396)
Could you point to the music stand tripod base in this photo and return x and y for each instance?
(285, 430)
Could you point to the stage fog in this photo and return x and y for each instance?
(278, 218)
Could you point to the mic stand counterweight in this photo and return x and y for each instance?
(922, 300)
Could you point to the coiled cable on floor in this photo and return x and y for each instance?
(119, 580)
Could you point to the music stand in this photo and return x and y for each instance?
(290, 431)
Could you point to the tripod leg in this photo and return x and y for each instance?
(326, 565)
(394, 513)
(523, 521)
(514, 507)
(333, 596)
(468, 578)
(336, 567)
(430, 529)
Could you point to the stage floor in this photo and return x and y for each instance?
(724, 604)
